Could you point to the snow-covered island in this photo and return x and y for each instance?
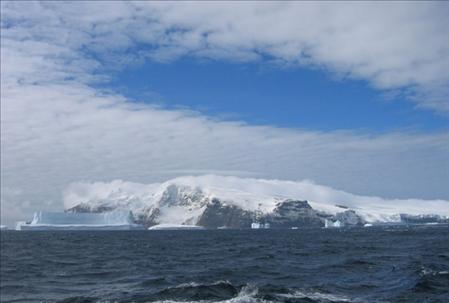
(212, 202)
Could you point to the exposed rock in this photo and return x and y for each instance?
(342, 206)
(218, 214)
(349, 218)
(294, 213)
(148, 217)
(422, 219)
(87, 208)
(175, 195)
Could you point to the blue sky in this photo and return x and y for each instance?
(262, 93)
(147, 91)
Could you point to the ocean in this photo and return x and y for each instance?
(375, 264)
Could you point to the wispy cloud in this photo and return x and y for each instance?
(394, 46)
(57, 129)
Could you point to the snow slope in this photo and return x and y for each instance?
(183, 199)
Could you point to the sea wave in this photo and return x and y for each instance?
(431, 280)
(226, 292)
(233, 267)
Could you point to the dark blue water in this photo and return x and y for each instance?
(407, 264)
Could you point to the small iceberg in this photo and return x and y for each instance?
(169, 226)
(257, 225)
(113, 220)
(332, 224)
(3, 227)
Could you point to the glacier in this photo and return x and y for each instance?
(187, 200)
(113, 220)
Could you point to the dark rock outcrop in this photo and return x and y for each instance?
(422, 219)
(178, 196)
(148, 217)
(349, 218)
(218, 214)
(294, 213)
(86, 208)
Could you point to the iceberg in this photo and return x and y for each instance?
(169, 226)
(257, 225)
(331, 224)
(113, 220)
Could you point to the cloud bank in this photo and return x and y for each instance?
(57, 129)
(398, 47)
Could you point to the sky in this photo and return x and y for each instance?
(354, 96)
(283, 97)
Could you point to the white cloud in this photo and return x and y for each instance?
(393, 46)
(56, 129)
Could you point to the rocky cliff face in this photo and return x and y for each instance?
(287, 214)
(349, 218)
(423, 219)
(87, 208)
(218, 214)
(294, 213)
